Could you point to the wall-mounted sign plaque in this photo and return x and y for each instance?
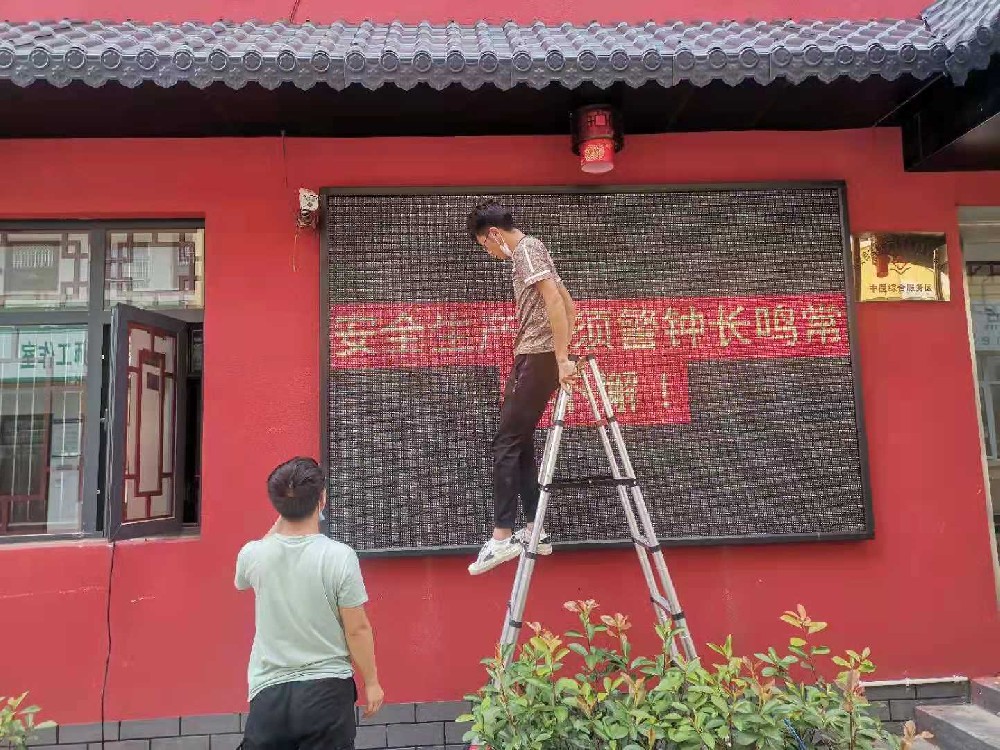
(901, 267)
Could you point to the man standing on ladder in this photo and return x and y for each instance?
(546, 316)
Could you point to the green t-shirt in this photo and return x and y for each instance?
(299, 583)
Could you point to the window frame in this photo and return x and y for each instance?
(46, 472)
(985, 358)
(118, 385)
(97, 320)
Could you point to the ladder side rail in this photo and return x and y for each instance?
(545, 471)
(642, 510)
(639, 542)
(519, 593)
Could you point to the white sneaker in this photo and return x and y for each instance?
(523, 538)
(494, 552)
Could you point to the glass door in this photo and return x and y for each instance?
(981, 254)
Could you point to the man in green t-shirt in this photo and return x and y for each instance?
(311, 623)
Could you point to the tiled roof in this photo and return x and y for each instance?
(971, 31)
(471, 55)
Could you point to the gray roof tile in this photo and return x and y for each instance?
(971, 31)
(471, 55)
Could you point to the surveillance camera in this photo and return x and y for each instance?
(308, 200)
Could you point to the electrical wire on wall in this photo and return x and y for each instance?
(306, 209)
(284, 167)
(107, 625)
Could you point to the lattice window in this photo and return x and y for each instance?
(155, 269)
(44, 269)
(57, 349)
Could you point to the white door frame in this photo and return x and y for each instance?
(972, 221)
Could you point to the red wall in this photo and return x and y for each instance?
(523, 11)
(921, 594)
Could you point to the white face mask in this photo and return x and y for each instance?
(505, 247)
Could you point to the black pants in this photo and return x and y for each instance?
(532, 381)
(310, 714)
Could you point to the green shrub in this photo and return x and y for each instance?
(17, 725)
(587, 690)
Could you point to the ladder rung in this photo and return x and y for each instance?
(660, 602)
(644, 542)
(663, 604)
(591, 481)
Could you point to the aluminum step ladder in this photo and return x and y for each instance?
(647, 547)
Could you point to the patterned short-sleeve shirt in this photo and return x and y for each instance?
(531, 264)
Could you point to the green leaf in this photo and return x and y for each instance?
(618, 732)
(691, 705)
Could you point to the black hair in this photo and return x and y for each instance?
(489, 214)
(295, 488)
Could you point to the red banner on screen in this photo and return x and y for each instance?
(643, 346)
